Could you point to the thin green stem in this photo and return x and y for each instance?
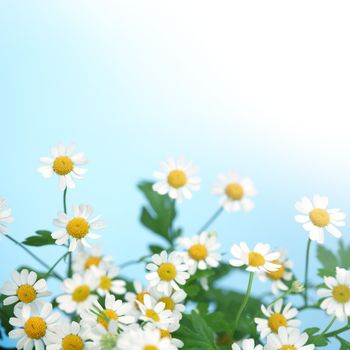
(55, 264)
(281, 296)
(245, 301)
(305, 307)
(69, 271)
(337, 331)
(330, 325)
(307, 271)
(211, 220)
(65, 200)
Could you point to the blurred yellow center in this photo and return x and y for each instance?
(276, 275)
(319, 217)
(256, 259)
(177, 178)
(234, 191)
(164, 333)
(62, 165)
(167, 271)
(35, 327)
(78, 228)
(81, 293)
(26, 293)
(92, 261)
(105, 283)
(150, 313)
(169, 303)
(150, 347)
(108, 315)
(276, 321)
(288, 347)
(198, 252)
(72, 342)
(341, 293)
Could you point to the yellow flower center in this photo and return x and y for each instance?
(108, 315)
(150, 313)
(78, 228)
(92, 261)
(35, 327)
(177, 178)
(72, 342)
(62, 165)
(341, 293)
(256, 259)
(150, 347)
(140, 298)
(81, 293)
(276, 321)
(234, 191)
(164, 333)
(276, 275)
(167, 271)
(169, 303)
(26, 293)
(198, 252)
(105, 283)
(288, 347)
(319, 217)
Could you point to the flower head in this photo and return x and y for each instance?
(107, 280)
(134, 298)
(5, 216)
(247, 344)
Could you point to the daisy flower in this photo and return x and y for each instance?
(177, 179)
(167, 271)
(77, 228)
(259, 259)
(34, 328)
(337, 294)
(65, 163)
(84, 258)
(102, 338)
(78, 291)
(68, 336)
(247, 344)
(201, 251)
(280, 276)
(138, 339)
(167, 333)
(134, 298)
(234, 193)
(25, 290)
(5, 216)
(316, 218)
(113, 309)
(276, 316)
(288, 339)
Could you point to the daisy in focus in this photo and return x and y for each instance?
(234, 193)
(78, 291)
(77, 228)
(25, 290)
(5, 216)
(34, 328)
(201, 251)
(276, 316)
(337, 294)
(316, 218)
(167, 271)
(247, 344)
(66, 164)
(177, 179)
(260, 259)
(108, 282)
(286, 339)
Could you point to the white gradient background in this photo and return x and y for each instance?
(260, 87)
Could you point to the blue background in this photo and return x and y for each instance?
(261, 88)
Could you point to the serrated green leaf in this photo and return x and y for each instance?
(318, 340)
(41, 238)
(344, 255)
(328, 260)
(312, 330)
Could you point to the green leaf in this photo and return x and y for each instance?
(328, 260)
(6, 312)
(344, 255)
(344, 344)
(41, 238)
(318, 340)
(312, 330)
(155, 249)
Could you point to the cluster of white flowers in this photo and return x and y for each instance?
(99, 312)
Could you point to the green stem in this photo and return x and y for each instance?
(55, 264)
(305, 307)
(69, 271)
(211, 220)
(329, 326)
(281, 296)
(245, 301)
(337, 331)
(307, 271)
(65, 200)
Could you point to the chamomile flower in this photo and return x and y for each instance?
(177, 179)
(247, 344)
(68, 336)
(144, 339)
(65, 163)
(5, 216)
(280, 276)
(77, 228)
(167, 333)
(337, 294)
(34, 328)
(108, 282)
(259, 259)
(316, 218)
(84, 258)
(201, 251)
(25, 290)
(102, 338)
(167, 271)
(136, 297)
(288, 339)
(78, 291)
(276, 316)
(234, 193)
